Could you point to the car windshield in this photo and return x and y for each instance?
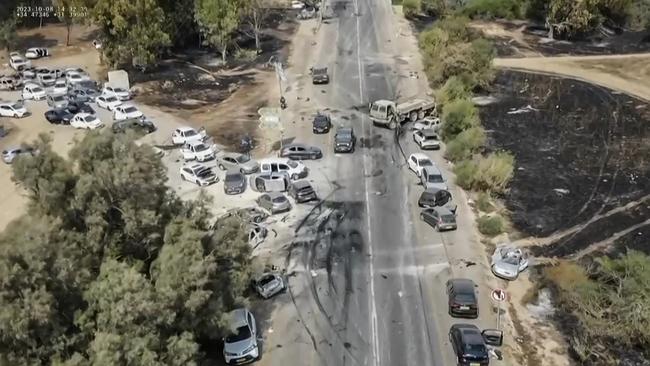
(204, 172)
(111, 99)
(321, 120)
(47, 77)
(475, 349)
(58, 98)
(278, 199)
(465, 298)
(89, 118)
(425, 162)
(200, 147)
(430, 138)
(75, 76)
(266, 280)
(16, 106)
(119, 90)
(435, 178)
(190, 133)
(292, 164)
(235, 177)
(242, 333)
(37, 90)
(448, 218)
(322, 71)
(242, 159)
(511, 260)
(130, 109)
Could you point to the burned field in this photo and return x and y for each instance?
(582, 153)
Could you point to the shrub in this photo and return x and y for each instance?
(490, 9)
(466, 173)
(484, 202)
(455, 88)
(490, 174)
(435, 8)
(465, 144)
(410, 8)
(458, 116)
(245, 55)
(458, 28)
(480, 72)
(491, 225)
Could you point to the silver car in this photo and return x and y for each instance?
(440, 218)
(9, 155)
(269, 285)
(242, 162)
(431, 178)
(274, 202)
(241, 344)
(57, 101)
(234, 182)
(508, 261)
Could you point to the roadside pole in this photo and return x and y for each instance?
(279, 72)
(499, 296)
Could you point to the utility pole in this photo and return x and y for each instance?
(279, 72)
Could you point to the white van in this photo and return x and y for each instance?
(295, 169)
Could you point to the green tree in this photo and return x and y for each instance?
(458, 116)
(8, 34)
(255, 14)
(68, 14)
(133, 31)
(217, 20)
(410, 8)
(179, 21)
(436, 8)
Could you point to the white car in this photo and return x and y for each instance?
(74, 77)
(119, 93)
(428, 122)
(198, 151)
(295, 4)
(108, 102)
(37, 52)
(198, 173)
(188, 135)
(126, 111)
(295, 169)
(87, 121)
(16, 110)
(16, 61)
(427, 139)
(59, 87)
(33, 91)
(418, 161)
(508, 261)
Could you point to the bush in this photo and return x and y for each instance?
(471, 61)
(458, 116)
(435, 8)
(410, 8)
(490, 174)
(465, 144)
(455, 88)
(490, 9)
(458, 28)
(491, 225)
(245, 55)
(484, 202)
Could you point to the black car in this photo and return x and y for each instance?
(433, 197)
(302, 191)
(76, 106)
(462, 299)
(469, 345)
(319, 75)
(344, 140)
(321, 124)
(136, 124)
(300, 152)
(59, 116)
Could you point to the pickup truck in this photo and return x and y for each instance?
(389, 113)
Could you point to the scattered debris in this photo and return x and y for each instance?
(561, 191)
(313, 273)
(384, 276)
(525, 109)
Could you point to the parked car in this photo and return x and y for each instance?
(427, 139)
(73, 77)
(36, 52)
(199, 174)
(300, 152)
(33, 91)
(434, 197)
(432, 178)
(469, 345)
(120, 93)
(243, 162)
(274, 202)
(302, 191)
(59, 116)
(241, 345)
(197, 151)
(439, 217)
(10, 154)
(319, 75)
(57, 101)
(295, 169)
(86, 121)
(46, 80)
(16, 61)
(271, 182)
(251, 214)
(107, 102)
(322, 123)
(234, 182)
(462, 299)
(126, 111)
(26, 72)
(295, 4)
(59, 87)
(185, 135)
(139, 125)
(508, 261)
(87, 94)
(10, 82)
(344, 140)
(417, 162)
(430, 122)
(269, 284)
(13, 109)
(76, 106)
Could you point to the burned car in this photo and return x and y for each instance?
(269, 284)
(508, 261)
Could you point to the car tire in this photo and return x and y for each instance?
(392, 125)
(295, 177)
(222, 167)
(241, 170)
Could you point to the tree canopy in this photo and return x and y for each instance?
(109, 266)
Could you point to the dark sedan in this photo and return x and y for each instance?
(300, 152)
(319, 75)
(79, 107)
(59, 116)
(462, 301)
(469, 345)
(322, 123)
(139, 125)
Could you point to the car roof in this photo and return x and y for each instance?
(185, 128)
(462, 284)
(195, 166)
(234, 171)
(420, 156)
(442, 210)
(233, 155)
(432, 169)
(273, 195)
(344, 130)
(238, 318)
(276, 160)
(298, 144)
(429, 132)
(82, 114)
(301, 184)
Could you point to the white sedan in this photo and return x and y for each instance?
(60, 87)
(119, 93)
(108, 102)
(15, 61)
(199, 174)
(427, 139)
(187, 135)
(417, 162)
(87, 121)
(16, 110)
(126, 111)
(37, 52)
(197, 151)
(33, 91)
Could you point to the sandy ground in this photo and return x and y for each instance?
(628, 74)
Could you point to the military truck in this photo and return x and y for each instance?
(390, 114)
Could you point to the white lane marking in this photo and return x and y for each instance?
(373, 307)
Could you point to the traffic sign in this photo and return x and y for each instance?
(498, 295)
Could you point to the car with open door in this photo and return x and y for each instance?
(470, 344)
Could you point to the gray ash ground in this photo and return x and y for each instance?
(581, 152)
